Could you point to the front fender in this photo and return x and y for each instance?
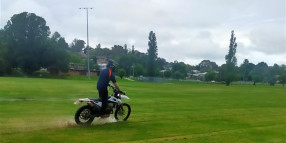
(124, 97)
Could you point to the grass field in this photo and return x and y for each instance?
(41, 110)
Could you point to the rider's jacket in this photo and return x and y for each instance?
(105, 76)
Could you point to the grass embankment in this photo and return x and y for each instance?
(41, 110)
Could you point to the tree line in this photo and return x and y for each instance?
(27, 45)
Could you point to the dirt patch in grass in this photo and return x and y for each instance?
(69, 122)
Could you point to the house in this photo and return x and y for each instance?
(101, 62)
(78, 69)
(197, 75)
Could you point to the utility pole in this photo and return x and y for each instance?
(1, 14)
(133, 70)
(87, 46)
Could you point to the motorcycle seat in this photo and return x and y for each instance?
(98, 99)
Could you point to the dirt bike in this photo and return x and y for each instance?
(86, 114)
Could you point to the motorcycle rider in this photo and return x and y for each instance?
(105, 76)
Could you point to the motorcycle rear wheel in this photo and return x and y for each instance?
(122, 112)
(83, 115)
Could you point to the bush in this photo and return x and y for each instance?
(121, 73)
(41, 73)
(168, 73)
(211, 75)
(178, 75)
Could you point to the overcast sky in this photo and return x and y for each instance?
(186, 30)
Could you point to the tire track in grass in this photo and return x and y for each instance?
(187, 137)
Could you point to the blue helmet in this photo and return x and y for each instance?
(112, 64)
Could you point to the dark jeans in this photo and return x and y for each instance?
(103, 95)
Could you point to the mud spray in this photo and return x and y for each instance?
(101, 121)
(69, 122)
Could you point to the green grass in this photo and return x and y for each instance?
(41, 110)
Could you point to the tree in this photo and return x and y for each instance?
(126, 62)
(207, 65)
(30, 47)
(230, 57)
(100, 52)
(282, 78)
(117, 51)
(125, 48)
(74, 58)
(98, 45)
(60, 41)
(4, 64)
(221, 73)
(55, 57)
(133, 50)
(152, 54)
(27, 36)
(245, 69)
(180, 67)
(231, 74)
(77, 45)
(260, 73)
(161, 63)
(272, 72)
(139, 70)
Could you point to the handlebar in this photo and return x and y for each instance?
(110, 85)
(122, 92)
(116, 90)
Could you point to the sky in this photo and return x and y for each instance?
(186, 30)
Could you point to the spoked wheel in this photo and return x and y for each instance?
(83, 115)
(122, 112)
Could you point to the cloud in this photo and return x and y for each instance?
(269, 40)
(189, 31)
(194, 47)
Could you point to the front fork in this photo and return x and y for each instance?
(121, 111)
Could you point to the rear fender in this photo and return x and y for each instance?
(79, 101)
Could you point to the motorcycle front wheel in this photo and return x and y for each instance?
(83, 115)
(122, 112)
